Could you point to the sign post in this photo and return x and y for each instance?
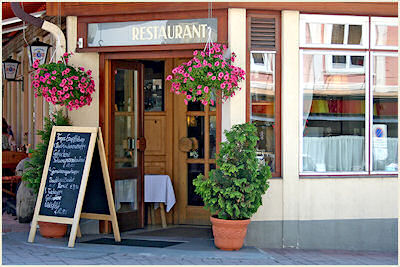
(66, 173)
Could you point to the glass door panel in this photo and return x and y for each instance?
(127, 124)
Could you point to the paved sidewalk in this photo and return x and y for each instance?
(17, 251)
(193, 251)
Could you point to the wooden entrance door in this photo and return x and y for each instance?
(126, 131)
(198, 123)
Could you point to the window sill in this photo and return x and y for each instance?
(346, 176)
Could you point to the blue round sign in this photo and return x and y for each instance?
(379, 132)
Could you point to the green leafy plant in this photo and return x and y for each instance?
(234, 190)
(35, 166)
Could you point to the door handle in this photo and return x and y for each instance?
(141, 144)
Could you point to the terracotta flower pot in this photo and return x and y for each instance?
(229, 234)
(52, 230)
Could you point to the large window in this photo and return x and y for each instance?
(264, 87)
(349, 95)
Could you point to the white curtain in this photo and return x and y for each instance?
(343, 154)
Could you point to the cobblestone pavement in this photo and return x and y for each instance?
(16, 251)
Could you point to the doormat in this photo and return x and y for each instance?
(180, 232)
(133, 242)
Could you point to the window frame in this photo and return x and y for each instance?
(386, 21)
(369, 51)
(335, 19)
(277, 78)
(371, 115)
(301, 108)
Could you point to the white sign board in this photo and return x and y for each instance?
(379, 133)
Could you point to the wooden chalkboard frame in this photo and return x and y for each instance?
(96, 136)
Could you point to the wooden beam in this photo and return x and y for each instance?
(103, 9)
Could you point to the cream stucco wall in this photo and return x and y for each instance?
(234, 110)
(348, 198)
(289, 117)
(272, 207)
(87, 115)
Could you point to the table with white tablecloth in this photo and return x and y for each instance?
(159, 189)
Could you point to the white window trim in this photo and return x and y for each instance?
(333, 19)
(384, 22)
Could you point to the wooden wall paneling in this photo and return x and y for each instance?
(9, 99)
(155, 134)
(156, 51)
(148, 55)
(180, 169)
(14, 103)
(5, 98)
(103, 78)
(169, 108)
(89, 9)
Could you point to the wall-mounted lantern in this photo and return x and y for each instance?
(38, 51)
(10, 68)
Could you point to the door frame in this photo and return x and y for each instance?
(105, 109)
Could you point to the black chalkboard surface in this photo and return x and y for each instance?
(96, 197)
(65, 174)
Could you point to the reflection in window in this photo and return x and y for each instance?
(355, 33)
(193, 171)
(384, 131)
(262, 62)
(153, 85)
(333, 118)
(262, 91)
(195, 131)
(350, 103)
(124, 80)
(195, 106)
(213, 136)
(126, 195)
(385, 33)
(329, 30)
(345, 63)
(337, 34)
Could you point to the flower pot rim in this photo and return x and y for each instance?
(215, 218)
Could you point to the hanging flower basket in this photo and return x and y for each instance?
(62, 84)
(208, 77)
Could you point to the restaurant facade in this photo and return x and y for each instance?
(321, 87)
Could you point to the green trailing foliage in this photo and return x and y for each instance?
(34, 167)
(234, 190)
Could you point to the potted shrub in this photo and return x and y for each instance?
(233, 192)
(208, 77)
(34, 169)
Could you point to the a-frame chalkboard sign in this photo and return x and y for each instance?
(73, 185)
